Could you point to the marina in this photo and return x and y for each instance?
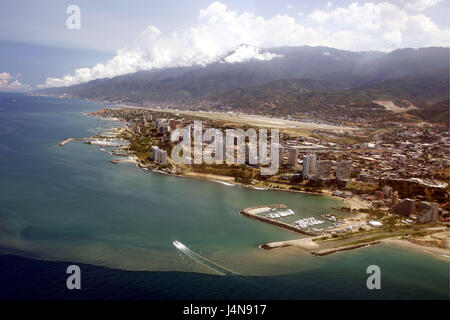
(260, 212)
(308, 222)
(107, 143)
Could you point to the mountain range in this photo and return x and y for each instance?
(296, 79)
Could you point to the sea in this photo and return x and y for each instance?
(68, 205)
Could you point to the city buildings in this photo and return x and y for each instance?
(394, 198)
(387, 192)
(343, 170)
(155, 150)
(309, 166)
(427, 212)
(293, 157)
(159, 156)
(175, 124)
(405, 207)
(323, 170)
(379, 195)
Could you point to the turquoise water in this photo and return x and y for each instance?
(71, 204)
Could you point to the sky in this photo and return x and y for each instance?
(128, 36)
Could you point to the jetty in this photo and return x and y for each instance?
(253, 212)
(121, 154)
(63, 143)
(116, 161)
(328, 251)
(307, 244)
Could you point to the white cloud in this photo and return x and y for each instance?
(419, 5)
(382, 26)
(5, 76)
(8, 82)
(369, 26)
(246, 53)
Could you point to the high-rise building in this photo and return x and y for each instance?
(155, 150)
(387, 192)
(343, 170)
(309, 166)
(162, 157)
(306, 166)
(394, 198)
(313, 165)
(158, 155)
(251, 153)
(427, 212)
(292, 157)
(187, 133)
(323, 169)
(280, 154)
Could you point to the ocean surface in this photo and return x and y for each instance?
(69, 205)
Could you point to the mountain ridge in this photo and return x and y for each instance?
(301, 74)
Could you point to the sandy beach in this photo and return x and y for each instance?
(442, 253)
(328, 247)
(354, 202)
(213, 177)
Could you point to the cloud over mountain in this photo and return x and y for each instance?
(219, 30)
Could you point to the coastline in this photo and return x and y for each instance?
(353, 202)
